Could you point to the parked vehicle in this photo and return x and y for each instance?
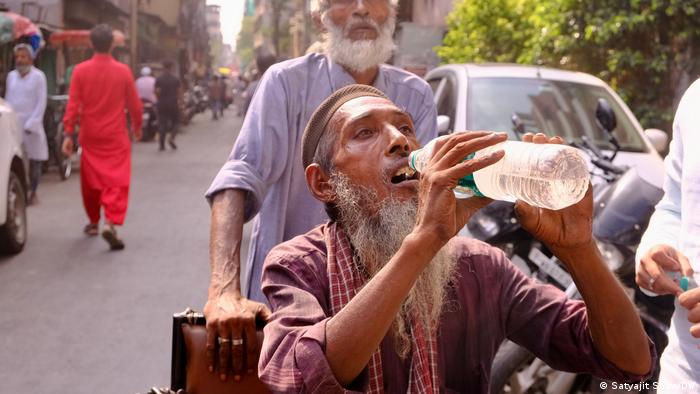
(196, 101)
(53, 124)
(518, 99)
(13, 183)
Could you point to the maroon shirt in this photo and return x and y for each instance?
(489, 300)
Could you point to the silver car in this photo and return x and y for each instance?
(516, 99)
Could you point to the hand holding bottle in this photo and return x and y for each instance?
(566, 228)
(440, 214)
(659, 266)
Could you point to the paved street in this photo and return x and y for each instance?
(76, 318)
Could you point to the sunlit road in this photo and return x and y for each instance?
(76, 318)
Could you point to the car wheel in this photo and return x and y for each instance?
(13, 234)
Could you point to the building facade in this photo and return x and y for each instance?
(167, 29)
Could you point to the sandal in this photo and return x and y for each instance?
(91, 230)
(110, 235)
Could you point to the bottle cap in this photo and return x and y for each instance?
(684, 282)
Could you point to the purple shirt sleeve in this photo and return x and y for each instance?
(293, 356)
(554, 328)
(426, 120)
(256, 160)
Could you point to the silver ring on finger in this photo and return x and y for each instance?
(237, 342)
(652, 280)
(223, 340)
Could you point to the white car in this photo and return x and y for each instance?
(13, 183)
(499, 97)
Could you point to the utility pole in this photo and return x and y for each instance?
(134, 41)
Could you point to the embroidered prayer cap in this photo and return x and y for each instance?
(323, 114)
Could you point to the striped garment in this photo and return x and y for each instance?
(345, 282)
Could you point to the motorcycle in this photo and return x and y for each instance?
(150, 120)
(53, 125)
(623, 205)
(196, 101)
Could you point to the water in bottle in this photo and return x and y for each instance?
(545, 175)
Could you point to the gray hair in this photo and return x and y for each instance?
(317, 6)
(24, 47)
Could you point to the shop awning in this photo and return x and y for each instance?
(14, 26)
(80, 38)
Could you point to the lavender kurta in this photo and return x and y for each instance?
(490, 300)
(266, 159)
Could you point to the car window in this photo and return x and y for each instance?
(434, 85)
(447, 102)
(559, 108)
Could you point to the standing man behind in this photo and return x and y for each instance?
(672, 244)
(216, 97)
(26, 93)
(168, 94)
(100, 90)
(264, 178)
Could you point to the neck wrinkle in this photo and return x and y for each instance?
(366, 77)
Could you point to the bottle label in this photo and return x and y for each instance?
(467, 185)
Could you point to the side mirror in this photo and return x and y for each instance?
(518, 125)
(443, 124)
(658, 139)
(605, 115)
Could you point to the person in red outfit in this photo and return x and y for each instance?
(100, 90)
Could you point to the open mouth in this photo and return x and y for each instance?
(404, 174)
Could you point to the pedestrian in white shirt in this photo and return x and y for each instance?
(671, 247)
(26, 93)
(146, 86)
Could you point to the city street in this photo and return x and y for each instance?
(76, 318)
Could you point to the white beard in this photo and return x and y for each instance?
(376, 237)
(360, 55)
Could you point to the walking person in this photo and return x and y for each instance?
(216, 97)
(26, 93)
(100, 90)
(168, 94)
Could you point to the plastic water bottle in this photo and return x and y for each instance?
(544, 175)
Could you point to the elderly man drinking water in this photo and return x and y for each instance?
(386, 298)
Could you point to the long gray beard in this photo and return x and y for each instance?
(376, 232)
(359, 55)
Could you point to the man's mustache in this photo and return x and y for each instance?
(359, 22)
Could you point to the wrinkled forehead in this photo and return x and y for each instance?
(321, 5)
(363, 107)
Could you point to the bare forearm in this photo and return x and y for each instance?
(227, 217)
(614, 324)
(357, 330)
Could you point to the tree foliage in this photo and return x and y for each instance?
(245, 41)
(647, 50)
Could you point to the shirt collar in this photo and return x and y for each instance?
(102, 56)
(341, 78)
